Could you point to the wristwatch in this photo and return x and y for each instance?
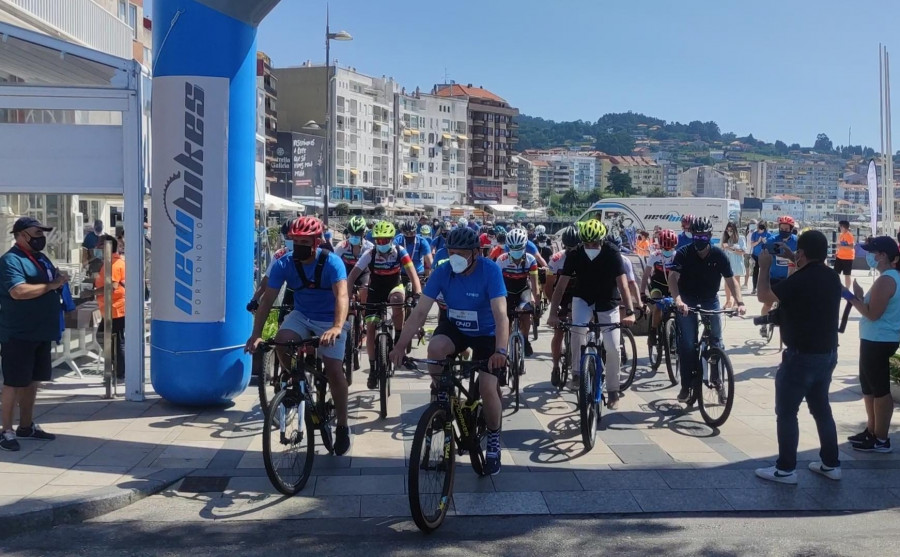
(501, 351)
(741, 304)
(629, 312)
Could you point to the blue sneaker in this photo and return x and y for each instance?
(492, 455)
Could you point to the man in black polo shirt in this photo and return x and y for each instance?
(600, 275)
(694, 279)
(808, 305)
(29, 321)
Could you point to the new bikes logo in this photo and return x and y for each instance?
(671, 216)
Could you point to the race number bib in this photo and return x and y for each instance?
(782, 261)
(464, 320)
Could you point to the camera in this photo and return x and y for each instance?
(773, 318)
(773, 248)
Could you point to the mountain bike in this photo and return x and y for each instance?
(627, 358)
(713, 376)
(266, 365)
(565, 359)
(297, 411)
(591, 381)
(411, 299)
(384, 343)
(453, 423)
(666, 347)
(354, 339)
(516, 349)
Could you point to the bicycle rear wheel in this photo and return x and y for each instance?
(656, 352)
(628, 359)
(431, 469)
(517, 356)
(565, 363)
(670, 350)
(288, 452)
(266, 368)
(478, 440)
(586, 403)
(717, 389)
(382, 349)
(349, 349)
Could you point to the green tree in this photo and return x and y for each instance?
(656, 192)
(781, 147)
(570, 198)
(341, 209)
(592, 196)
(619, 182)
(823, 144)
(378, 210)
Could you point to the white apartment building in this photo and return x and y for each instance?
(582, 169)
(432, 138)
(809, 180)
(528, 178)
(363, 121)
(706, 181)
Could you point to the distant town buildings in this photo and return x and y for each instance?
(706, 181)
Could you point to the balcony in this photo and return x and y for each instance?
(79, 21)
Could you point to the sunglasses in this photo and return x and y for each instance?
(383, 241)
(702, 237)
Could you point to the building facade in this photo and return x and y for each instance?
(363, 135)
(529, 181)
(432, 136)
(646, 174)
(266, 121)
(494, 133)
(809, 180)
(706, 181)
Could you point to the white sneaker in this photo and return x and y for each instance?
(773, 474)
(830, 473)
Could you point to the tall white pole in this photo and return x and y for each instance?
(881, 115)
(889, 177)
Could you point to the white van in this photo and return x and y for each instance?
(630, 214)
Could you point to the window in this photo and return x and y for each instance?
(365, 175)
(341, 176)
(123, 10)
(431, 139)
(132, 20)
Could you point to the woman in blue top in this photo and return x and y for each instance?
(757, 240)
(475, 295)
(879, 333)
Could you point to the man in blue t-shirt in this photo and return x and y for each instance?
(758, 239)
(473, 290)
(418, 248)
(318, 278)
(783, 265)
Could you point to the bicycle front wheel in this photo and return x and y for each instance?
(431, 468)
(349, 348)
(670, 348)
(628, 359)
(266, 368)
(717, 389)
(382, 349)
(288, 443)
(517, 356)
(586, 401)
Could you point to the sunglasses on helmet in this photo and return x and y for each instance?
(383, 241)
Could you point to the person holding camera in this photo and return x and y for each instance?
(808, 306)
(879, 333)
(783, 266)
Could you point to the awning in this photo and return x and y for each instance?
(414, 132)
(462, 137)
(505, 208)
(447, 136)
(275, 203)
(416, 148)
(408, 176)
(407, 132)
(354, 171)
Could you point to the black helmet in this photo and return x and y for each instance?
(613, 237)
(285, 226)
(701, 225)
(462, 238)
(409, 226)
(570, 237)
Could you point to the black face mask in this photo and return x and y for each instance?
(37, 243)
(302, 253)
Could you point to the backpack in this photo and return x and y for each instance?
(317, 275)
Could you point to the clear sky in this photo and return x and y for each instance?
(780, 69)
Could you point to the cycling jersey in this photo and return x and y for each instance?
(683, 240)
(417, 248)
(438, 242)
(660, 265)
(515, 273)
(344, 250)
(317, 301)
(278, 255)
(384, 264)
(468, 296)
(629, 268)
(782, 265)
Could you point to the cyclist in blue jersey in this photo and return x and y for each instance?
(685, 238)
(473, 290)
(441, 231)
(419, 248)
(319, 281)
(783, 265)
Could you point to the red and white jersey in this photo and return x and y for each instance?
(557, 262)
(344, 250)
(278, 255)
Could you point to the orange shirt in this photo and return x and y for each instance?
(845, 251)
(643, 247)
(496, 251)
(118, 275)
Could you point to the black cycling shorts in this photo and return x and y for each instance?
(843, 266)
(380, 289)
(25, 361)
(875, 367)
(483, 347)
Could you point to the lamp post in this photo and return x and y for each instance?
(329, 116)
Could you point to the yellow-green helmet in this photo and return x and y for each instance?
(593, 231)
(357, 225)
(384, 229)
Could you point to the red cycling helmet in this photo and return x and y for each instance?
(687, 220)
(306, 226)
(667, 239)
(787, 219)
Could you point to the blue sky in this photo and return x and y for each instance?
(780, 69)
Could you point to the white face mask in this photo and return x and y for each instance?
(592, 253)
(458, 263)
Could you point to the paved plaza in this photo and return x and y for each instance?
(651, 456)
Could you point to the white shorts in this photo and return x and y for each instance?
(306, 328)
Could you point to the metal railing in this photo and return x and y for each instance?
(84, 21)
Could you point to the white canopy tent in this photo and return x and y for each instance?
(75, 123)
(275, 203)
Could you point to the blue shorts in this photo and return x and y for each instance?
(306, 328)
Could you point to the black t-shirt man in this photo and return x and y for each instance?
(596, 282)
(809, 303)
(699, 277)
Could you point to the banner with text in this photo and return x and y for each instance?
(189, 198)
(300, 160)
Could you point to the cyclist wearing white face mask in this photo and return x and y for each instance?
(600, 275)
(351, 249)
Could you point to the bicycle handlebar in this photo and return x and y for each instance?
(462, 365)
(312, 342)
(591, 326)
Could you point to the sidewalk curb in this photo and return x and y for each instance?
(31, 514)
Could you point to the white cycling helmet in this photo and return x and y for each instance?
(516, 238)
(540, 229)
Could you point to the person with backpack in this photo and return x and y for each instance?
(319, 281)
